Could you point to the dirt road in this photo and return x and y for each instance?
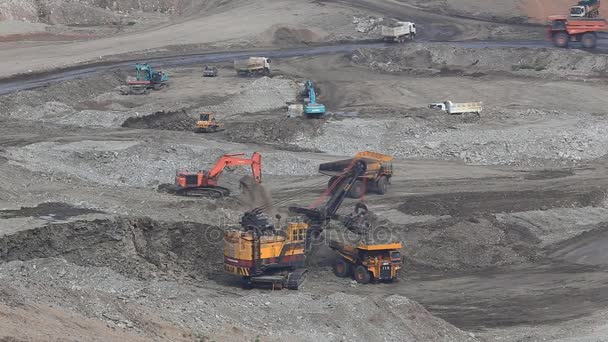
(331, 22)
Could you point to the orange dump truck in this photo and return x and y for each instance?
(564, 29)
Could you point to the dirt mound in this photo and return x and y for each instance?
(131, 246)
(433, 58)
(473, 230)
(588, 248)
(36, 104)
(286, 35)
(462, 244)
(263, 94)
(283, 131)
(169, 120)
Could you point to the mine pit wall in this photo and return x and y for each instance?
(134, 247)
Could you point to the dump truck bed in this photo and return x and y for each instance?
(251, 63)
(351, 249)
(396, 31)
(373, 160)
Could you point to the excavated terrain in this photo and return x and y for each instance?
(496, 211)
(503, 215)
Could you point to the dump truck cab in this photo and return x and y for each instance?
(367, 262)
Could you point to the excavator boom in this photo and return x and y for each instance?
(230, 160)
(203, 182)
(318, 217)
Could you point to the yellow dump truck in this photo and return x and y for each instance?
(376, 178)
(367, 262)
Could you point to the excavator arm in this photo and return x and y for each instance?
(229, 160)
(319, 217)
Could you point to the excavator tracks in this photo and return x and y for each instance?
(207, 191)
(296, 278)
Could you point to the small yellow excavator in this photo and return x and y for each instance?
(208, 124)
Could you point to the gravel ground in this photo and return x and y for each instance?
(141, 164)
(548, 63)
(262, 94)
(564, 223)
(100, 279)
(563, 140)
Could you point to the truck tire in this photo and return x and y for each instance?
(342, 268)
(589, 40)
(356, 190)
(362, 275)
(561, 39)
(382, 185)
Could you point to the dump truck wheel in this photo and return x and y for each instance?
(342, 268)
(561, 39)
(589, 40)
(382, 185)
(362, 275)
(356, 191)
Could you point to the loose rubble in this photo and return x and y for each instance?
(429, 58)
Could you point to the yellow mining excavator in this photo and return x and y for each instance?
(265, 255)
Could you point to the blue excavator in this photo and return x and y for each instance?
(312, 109)
(146, 78)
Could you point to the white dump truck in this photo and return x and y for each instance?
(458, 108)
(398, 31)
(252, 66)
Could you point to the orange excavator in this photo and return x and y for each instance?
(206, 182)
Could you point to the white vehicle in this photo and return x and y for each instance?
(399, 32)
(586, 9)
(252, 66)
(458, 108)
